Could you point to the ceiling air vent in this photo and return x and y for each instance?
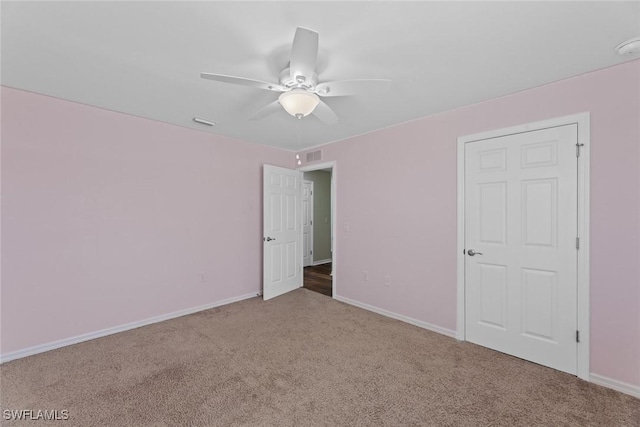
(314, 156)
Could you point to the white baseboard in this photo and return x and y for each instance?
(620, 386)
(322, 261)
(387, 313)
(109, 331)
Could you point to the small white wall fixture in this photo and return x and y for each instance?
(582, 120)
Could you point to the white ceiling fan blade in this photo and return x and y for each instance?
(350, 87)
(267, 110)
(325, 114)
(242, 81)
(304, 54)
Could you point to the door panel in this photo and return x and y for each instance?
(539, 303)
(493, 212)
(540, 212)
(282, 258)
(493, 294)
(521, 218)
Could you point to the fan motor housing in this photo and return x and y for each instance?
(301, 82)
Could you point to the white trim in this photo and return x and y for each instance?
(333, 165)
(322, 261)
(584, 187)
(583, 122)
(630, 389)
(580, 119)
(433, 328)
(460, 307)
(116, 329)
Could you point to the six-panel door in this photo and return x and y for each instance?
(282, 256)
(521, 218)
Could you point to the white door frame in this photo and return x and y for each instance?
(334, 204)
(583, 122)
(304, 181)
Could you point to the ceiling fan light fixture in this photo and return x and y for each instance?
(299, 102)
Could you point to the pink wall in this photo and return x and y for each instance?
(109, 219)
(397, 190)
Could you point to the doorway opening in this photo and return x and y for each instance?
(318, 207)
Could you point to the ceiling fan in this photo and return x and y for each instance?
(298, 83)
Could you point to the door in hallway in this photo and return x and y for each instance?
(307, 223)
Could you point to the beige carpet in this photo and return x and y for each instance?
(300, 359)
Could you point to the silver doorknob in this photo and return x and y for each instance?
(471, 252)
(268, 239)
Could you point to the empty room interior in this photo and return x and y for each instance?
(320, 213)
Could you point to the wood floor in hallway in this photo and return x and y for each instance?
(317, 278)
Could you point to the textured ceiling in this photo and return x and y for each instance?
(145, 58)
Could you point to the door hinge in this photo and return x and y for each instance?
(311, 222)
(310, 252)
(578, 149)
(577, 336)
(577, 243)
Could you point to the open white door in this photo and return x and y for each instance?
(282, 240)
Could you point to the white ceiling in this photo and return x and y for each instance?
(145, 58)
